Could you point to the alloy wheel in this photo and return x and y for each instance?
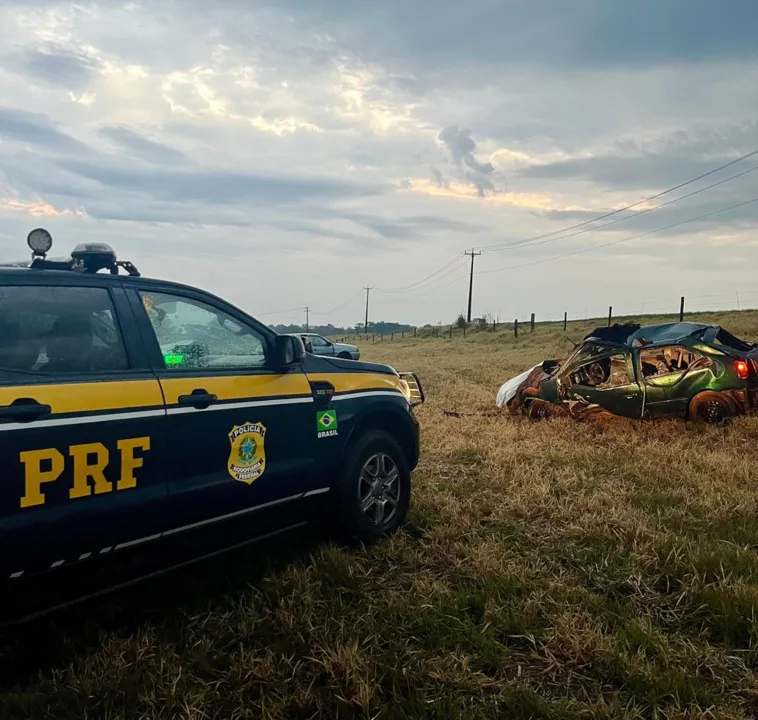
(379, 489)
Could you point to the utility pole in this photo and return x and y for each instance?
(368, 290)
(307, 318)
(471, 281)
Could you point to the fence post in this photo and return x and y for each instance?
(464, 331)
(381, 337)
(402, 335)
(532, 330)
(565, 320)
(494, 326)
(414, 332)
(610, 315)
(681, 310)
(392, 337)
(515, 328)
(451, 332)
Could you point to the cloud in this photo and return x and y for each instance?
(58, 66)
(463, 151)
(36, 130)
(216, 186)
(424, 36)
(142, 147)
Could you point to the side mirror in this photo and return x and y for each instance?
(289, 350)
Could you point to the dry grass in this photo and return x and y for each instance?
(563, 571)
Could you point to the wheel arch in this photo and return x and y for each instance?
(733, 400)
(395, 422)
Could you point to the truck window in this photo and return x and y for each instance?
(59, 330)
(193, 334)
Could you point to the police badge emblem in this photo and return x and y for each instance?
(247, 458)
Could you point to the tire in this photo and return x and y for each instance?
(376, 453)
(345, 356)
(710, 407)
(539, 410)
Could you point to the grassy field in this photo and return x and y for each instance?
(556, 570)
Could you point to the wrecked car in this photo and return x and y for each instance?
(685, 370)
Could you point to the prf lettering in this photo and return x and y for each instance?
(89, 463)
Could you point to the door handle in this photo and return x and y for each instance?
(199, 399)
(24, 409)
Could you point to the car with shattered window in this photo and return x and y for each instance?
(684, 370)
(133, 410)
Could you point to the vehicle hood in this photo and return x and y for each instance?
(324, 363)
(360, 366)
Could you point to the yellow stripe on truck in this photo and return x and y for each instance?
(352, 382)
(88, 397)
(237, 387)
(246, 387)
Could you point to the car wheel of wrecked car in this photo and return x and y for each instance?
(543, 410)
(374, 490)
(710, 407)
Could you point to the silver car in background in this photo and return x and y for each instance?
(319, 345)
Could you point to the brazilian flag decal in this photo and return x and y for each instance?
(326, 423)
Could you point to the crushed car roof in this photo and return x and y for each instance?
(665, 334)
(671, 332)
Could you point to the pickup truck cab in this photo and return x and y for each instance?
(132, 410)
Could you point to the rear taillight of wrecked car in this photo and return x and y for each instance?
(743, 369)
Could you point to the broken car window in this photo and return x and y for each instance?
(584, 352)
(670, 359)
(607, 372)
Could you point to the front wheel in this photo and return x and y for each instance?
(345, 356)
(374, 489)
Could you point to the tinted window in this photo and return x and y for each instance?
(59, 330)
(193, 334)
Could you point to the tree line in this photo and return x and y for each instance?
(378, 328)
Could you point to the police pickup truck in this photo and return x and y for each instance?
(132, 410)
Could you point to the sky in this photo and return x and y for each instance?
(289, 153)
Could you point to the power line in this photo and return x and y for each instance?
(428, 290)
(405, 288)
(521, 244)
(616, 242)
(338, 307)
(279, 312)
(629, 207)
(432, 286)
(436, 280)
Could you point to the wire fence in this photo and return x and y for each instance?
(678, 308)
